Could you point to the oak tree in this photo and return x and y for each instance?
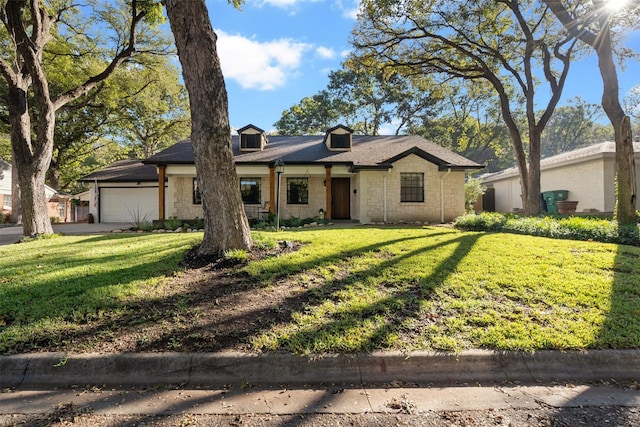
(591, 22)
(29, 27)
(508, 43)
(226, 225)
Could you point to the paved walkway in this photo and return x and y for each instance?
(12, 234)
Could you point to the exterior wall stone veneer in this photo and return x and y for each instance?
(373, 194)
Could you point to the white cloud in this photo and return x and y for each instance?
(291, 5)
(325, 52)
(349, 8)
(259, 65)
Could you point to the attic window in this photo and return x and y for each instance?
(338, 138)
(250, 141)
(341, 141)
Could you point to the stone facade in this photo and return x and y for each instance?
(380, 196)
(374, 195)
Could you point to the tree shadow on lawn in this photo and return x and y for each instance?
(225, 309)
(399, 305)
(73, 287)
(621, 328)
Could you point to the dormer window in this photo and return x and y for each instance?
(339, 138)
(250, 141)
(252, 138)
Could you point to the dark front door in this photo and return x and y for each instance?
(340, 198)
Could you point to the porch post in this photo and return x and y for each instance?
(272, 189)
(161, 175)
(327, 180)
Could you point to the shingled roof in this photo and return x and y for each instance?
(124, 171)
(367, 152)
(599, 150)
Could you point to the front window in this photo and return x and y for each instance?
(250, 190)
(62, 209)
(297, 191)
(6, 205)
(412, 187)
(197, 197)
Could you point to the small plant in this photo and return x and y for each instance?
(236, 256)
(54, 220)
(173, 223)
(293, 221)
(146, 226)
(472, 190)
(198, 223)
(140, 221)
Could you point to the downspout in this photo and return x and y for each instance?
(442, 194)
(384, 199)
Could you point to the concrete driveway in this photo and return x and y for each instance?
(12, 234)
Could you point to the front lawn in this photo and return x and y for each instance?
(344, 290)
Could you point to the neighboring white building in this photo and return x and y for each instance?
(5, 186)
(587, 173)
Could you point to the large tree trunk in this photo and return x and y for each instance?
(226, 225)
(625, 162)
(30, 161)
(531, 202)
(626, 196)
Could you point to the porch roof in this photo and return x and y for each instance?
(367, 152)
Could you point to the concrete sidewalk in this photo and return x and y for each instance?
(283, 401)
(12, 234)
(269, 370)
(261, 386)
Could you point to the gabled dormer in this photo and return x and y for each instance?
(252, 138)
(338, 138)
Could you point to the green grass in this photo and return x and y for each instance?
(440, 289)
(52, 286)
(361, 289)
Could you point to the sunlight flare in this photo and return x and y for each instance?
(615, 5)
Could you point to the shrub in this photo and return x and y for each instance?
(173, 223)
(473, 189)
(573, 227)
(485, 221)
(198, 223)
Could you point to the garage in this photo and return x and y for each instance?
(125, 191)
(128, 204)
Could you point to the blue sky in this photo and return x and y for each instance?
(276, 52)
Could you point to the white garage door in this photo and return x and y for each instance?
(127, 204)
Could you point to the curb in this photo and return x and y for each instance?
(223, 369)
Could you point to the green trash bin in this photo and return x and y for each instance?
(551, 197)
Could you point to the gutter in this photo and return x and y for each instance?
(442, 193)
